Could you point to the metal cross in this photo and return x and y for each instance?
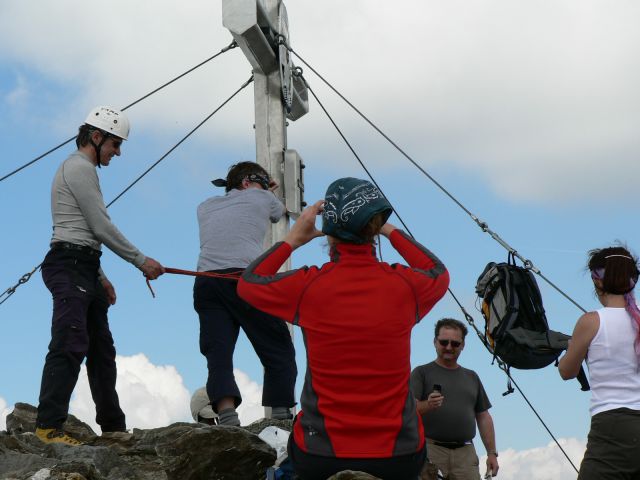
(258, 26)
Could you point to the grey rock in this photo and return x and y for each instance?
(182, 451)
(351, 475)
(259, 425)
(23, 419)
(22, 466)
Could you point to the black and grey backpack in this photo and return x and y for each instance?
(516, 326)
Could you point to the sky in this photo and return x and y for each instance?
(526, 112)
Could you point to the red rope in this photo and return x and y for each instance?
(231, 275)
(177, 271)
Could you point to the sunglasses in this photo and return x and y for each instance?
(262, 180)
(445, 343)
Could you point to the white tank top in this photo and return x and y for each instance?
(614, 373)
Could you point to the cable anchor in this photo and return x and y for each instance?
(282, 40)
(231, 46)
(24, 279)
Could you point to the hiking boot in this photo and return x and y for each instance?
(119, 435)
(53, 435)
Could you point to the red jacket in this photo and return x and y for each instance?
(356, 315)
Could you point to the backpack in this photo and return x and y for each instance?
(516, 326)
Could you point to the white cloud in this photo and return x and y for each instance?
(154, 396)
(251, 408)
(525, 95)
(4, 411)
(150, 395)
(543, 463)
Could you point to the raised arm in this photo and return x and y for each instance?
(276, 293)
(427, 274)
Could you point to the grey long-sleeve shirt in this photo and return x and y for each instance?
(79, 213)
(233, 227)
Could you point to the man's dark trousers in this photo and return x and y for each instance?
(80, 328)
(222, 313)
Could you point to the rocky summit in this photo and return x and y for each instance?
(181, 451)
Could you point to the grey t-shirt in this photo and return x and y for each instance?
(464, 397)
(79, 214)
(233, 227)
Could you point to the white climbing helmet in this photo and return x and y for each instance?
(201, 406)
(109, 120)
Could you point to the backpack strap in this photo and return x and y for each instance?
(582, 378)
(510, 389)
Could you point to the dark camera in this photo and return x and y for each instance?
(437, 388)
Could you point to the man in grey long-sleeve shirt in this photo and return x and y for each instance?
(81, 291)
(232, 232)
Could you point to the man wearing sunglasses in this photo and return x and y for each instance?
(452, 400)
(232, 232)
(81, 292)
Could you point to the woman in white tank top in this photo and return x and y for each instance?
(609, 341)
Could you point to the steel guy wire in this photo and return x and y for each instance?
(483, 225)
(4, 296)
(225, 49)
(242, 87)
(25, 278)
(467, 316)
(352, 150)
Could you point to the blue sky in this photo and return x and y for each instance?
(527, 113)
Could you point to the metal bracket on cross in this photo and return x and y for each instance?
(261, 30)
(294, 195)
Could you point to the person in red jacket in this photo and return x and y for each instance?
(356, 314)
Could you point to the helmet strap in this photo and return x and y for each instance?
(98, 147)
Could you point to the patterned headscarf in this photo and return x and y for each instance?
(349, 205)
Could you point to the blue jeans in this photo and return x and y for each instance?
(80, 328)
